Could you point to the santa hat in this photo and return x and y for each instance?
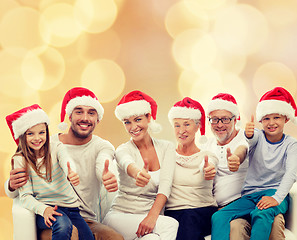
(19, 122)
(189, 109)
(138, 103)
(278, 100)
(79, 96)
(224, 101)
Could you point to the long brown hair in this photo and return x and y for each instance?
(30, 158)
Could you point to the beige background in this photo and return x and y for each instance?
(167, 48)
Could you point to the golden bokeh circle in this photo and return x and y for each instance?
(105, 78)
(95, 16)
(240, 28)
(273, 74)
(43, 70)
(179, 18)
(14, 29)
(58, 26)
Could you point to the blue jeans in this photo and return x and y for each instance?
(261, 220)
(194, 223)
(62, 227)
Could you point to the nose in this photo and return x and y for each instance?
(182, 129)
(85, 116)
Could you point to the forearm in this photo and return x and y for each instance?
(241, 152)
(10, 192)
(133, 170)
(158, 205)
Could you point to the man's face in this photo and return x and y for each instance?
(224, 132)
(83, 121)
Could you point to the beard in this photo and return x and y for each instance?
(80, 135)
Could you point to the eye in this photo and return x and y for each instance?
(42, 132)
(277, 117)
(126, 122)
(29, 134)
(176, 126)
(265, 119)
(138, 119)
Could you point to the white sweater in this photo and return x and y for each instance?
(139, 200)
(189, 188)
(37, 194)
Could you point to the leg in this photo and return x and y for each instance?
(24, 224)
(103, 232)
(84, 231)
(240, 229)
(193, 223)
(61, 228)
(166, 227)
(262, 220)
(222, 218)
(47, 234)
(278, 228)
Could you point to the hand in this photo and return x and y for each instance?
(233, 161)
(72, 176)
(143, 177)
(18, 178)
(48, 215)
(249, 128)
(146, 226)
(109, 179)
(266, 202)
(208, 169)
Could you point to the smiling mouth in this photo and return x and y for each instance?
(84, 125)
(135, 132)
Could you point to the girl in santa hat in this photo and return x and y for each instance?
(191, 201)
(47, 192)
(146, 166)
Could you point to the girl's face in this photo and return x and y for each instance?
(137, 126)
(185, 130)
(36, 138)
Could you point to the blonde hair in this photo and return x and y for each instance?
(30, 158)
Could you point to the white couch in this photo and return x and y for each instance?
(24, 219)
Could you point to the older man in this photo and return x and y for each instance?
(231, 149)
(91, 154)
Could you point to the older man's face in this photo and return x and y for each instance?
(224, 132)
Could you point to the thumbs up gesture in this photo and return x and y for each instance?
(109, 179)
(233, 161)
(143, 177)
(208, 169)
(249, 128)
(72, 176)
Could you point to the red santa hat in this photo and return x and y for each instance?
(224, 101)
(277, 100)
(19, 122)
(189, 109)
(79, 96)
(137, 103)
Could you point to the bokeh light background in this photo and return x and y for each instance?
(167, 48)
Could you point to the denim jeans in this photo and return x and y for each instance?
(62, 227)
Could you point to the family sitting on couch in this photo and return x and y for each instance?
(233, 186)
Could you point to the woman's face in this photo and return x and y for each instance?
(137, 126)
(36, 138)
(185, 130)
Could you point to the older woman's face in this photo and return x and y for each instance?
(137, 126)
(185, 130)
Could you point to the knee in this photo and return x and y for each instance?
(262, 215)
(216, 217)
(240, 227)
(62, 226)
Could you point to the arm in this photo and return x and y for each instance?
(236, 158)
(148, 223)
(26, 193)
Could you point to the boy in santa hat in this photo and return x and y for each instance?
(272, 168)
(92, 155)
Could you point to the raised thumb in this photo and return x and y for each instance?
(106, 165)
(68, 166)
(206, 161)
(228, 152)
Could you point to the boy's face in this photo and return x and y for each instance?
(273, 126)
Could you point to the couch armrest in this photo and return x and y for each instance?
(291, 217)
